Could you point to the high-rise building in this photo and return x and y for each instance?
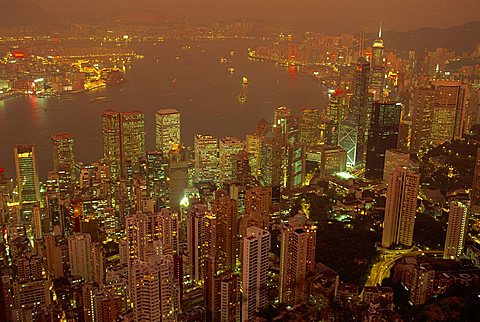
(359, 109)
(377, 66)
(475, 191)
(258, 201)
(456, 230)
(63, 156)
(79, 252)
(153, 290)
(156, 174)
(123, 141)
(255, 264)
(167, 130)
(225, 211)
(229, 147)
(254, 150)
(222, 297)
(297, 258)
(27, 174)
(382, 135)
(400, 208)
(310, 127)
(449, 111)
(324, 160)
(422, 106)
(195, 240)
(393, 159)
(347, 140)
(206, 159)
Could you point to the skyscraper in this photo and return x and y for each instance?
(456, 230)
(255, 263)
(382, 135)
(310, 127)
(229, 147)
(475, 192)
(177, 174)
(27, 174)
(123, 141)
(422, 104)
(359, 108)
(297, 258)
(206, 158)
(167, 129)
(400, 208)
(63, 156)
(79, 251)
(377, 77)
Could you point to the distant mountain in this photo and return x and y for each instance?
(24, 13)
(459, 38)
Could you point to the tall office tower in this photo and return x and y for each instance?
(222, 297)
(297, 258)
(206, 158)
(310, 127)
(254, 149)
(229, 147)
(393, 159)
(98, 263)
(177, 175)
(382, 135)
(359, 108)
(156, 173)
(63, 156)
(27, 174)
(422, 106)
(258, 201)
(169, 229)
(336, 113)
(53, 254)
(256, 247)
(152, 289)
(123, 141)
(167, 130)
(347, 140)
(225, 211)
(80, 254)
(271, 169)
(405, 135)
(475, 191)
(195, 241)
(37, 222)
(457, 229)
(449, 111)
(400, 208)
(377, 77)
(241, 169)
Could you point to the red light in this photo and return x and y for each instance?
(2, 170)
(338, 92)
(18, 54)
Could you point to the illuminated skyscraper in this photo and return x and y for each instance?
(377, 77)
(456, 230)
(475, 192)
(27, 174)
(228, 149)
(310, 127)
(178, 175)
(63, 156)
(167, 129)
(79, 251)
(400, 208)
(297, 258)
(206, 159)
(449, 111)
(354, 128)
(157, 183)
(422, 105)
(382, 135)
(123, 141)
(255, 264)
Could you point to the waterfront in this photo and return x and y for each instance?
(190, 79)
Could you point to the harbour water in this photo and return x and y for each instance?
(186, 75)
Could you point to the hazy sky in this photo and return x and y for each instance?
(328, 15)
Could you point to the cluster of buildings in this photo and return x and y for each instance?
(186, 234)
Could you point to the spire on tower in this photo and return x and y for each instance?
(380, 31)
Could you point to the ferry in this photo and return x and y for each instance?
(231, 70)
(223, 60)
(242, 98)
(245, 81)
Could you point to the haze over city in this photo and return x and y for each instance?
(204, 161)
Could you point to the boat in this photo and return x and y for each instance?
(174, 81)
(242, 98)
(231, 70)
(245, 81)
(223, 60)
(98, 99)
